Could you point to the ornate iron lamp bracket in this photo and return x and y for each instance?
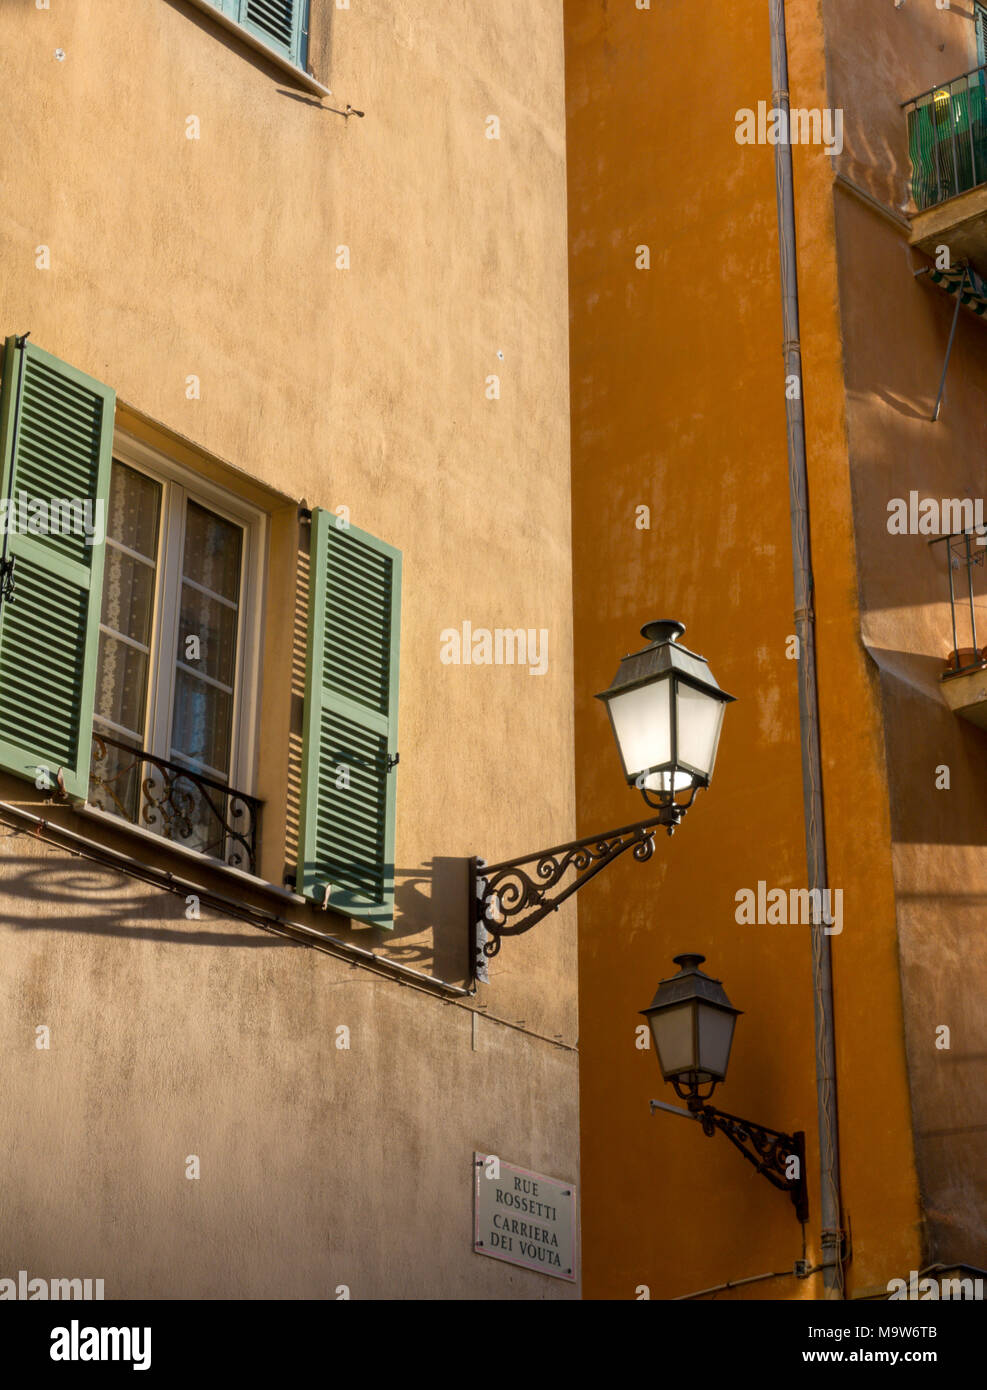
(769, 1150)
(509, 898)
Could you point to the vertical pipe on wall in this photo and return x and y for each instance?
(815, 829)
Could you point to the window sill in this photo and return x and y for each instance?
(193, 856)
(297, 74)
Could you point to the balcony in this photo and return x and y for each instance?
(175, 802)
(947, 145)
(964, 679)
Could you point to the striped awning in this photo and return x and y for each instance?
(964, 281)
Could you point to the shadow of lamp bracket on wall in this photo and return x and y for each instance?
(666, 711)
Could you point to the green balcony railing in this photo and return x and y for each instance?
(947, 138)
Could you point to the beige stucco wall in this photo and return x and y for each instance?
(365, 388)
(320, 1167)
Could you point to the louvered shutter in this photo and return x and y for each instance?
(980, 15)
(283, 24)
(49, 632)
(346, 837)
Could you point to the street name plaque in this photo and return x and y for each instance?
(524, 1218)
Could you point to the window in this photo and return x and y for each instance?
(281, 25)
(172, 681)
(131, 652)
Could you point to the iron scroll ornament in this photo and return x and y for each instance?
(175, 802)
(522, 888)
(769, 1150)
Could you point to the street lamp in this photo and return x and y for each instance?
(666, 711)
(692, 1023)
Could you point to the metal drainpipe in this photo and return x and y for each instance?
(815, 827)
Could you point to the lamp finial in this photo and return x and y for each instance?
(665, 630)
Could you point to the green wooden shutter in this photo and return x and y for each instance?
(49, 632)
(980, 15)
(282, 24)
(346, 836)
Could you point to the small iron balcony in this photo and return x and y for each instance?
(947, 144)
(174, 802)
(964, 678)
(947, 138)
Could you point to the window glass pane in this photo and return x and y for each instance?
(214, 623)
(114, 777)
(133, 518)
(213, 550)
(202, 724)
(128, 594)
(134, 510)
(202, 721)
(121, 684)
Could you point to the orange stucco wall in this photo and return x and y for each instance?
(678, 405)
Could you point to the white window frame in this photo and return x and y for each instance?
(164, 628)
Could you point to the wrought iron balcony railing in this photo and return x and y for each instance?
(174, 802)
(965, 554)
(947, 138)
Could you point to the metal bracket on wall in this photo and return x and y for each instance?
(478, 971)
(501, 892)
(769, 1150)
(952, 334)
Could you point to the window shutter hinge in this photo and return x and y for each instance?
(305, 516)
(7, 579)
